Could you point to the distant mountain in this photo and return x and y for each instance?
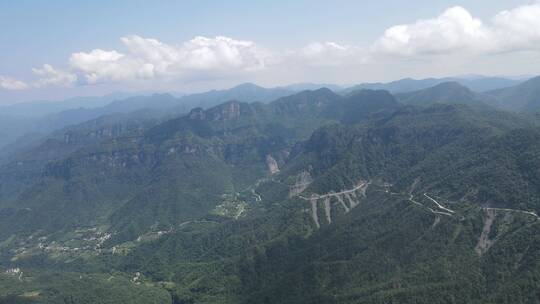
(233, 138)
(524, 97)
(12, 128)
(315, 197)
(446, 92)
(297, 87)
(76, 116)
(398, 86)
(483, 84)
(363, 104)
(44, 117)
(18, 128)
(479, 84)
(247, 92)
(42, 108)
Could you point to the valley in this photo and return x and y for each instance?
(283, 152)
(358, 198)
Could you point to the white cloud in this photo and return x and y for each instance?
(329, 54)
(454, 30)
(9, 83)
(518, 29)
(99, 65)
(457, 31)
(149, 58)
(221, 53)
(49, 76)
(463, 39)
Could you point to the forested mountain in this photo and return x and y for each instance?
(314, 197)
(233, 138)
(33, 120)
(524, 97)
(477, 84)
(42, 108)
(446, 92)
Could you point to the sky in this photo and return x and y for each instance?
(58, 48)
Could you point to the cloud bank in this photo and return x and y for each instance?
(455, 32)
(49, 76)
(9, 83)
(149, 58)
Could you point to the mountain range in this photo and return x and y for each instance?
(254, 195)
(478, 84)
(36, 119)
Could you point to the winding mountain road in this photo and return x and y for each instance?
(439, 205)
(411, 198)
(334, 194)
(349, 195)
(514, 210)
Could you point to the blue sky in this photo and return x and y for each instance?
(290, 41)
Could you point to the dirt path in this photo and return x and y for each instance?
(411, 199)
(438, 205)
(256, 195)
(349, 195)
(334, 194)
(514, 210)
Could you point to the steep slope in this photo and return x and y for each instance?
(247, 92)
(43, 108)
(412, 236)
(524, 97)
(362, 229)
(477, 84)
(361, 105)
(447, 92)
(11, 128)
(312, 198)
(40, 118)
(112, 180)
(23, 131)
(452, 148)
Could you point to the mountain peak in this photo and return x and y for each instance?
(534, 80)
(449, 85)
(522, 97)
(446, 92)
(247, 86)
(227, 111)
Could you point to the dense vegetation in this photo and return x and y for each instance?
(312, 198)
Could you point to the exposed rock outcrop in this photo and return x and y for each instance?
(333, 200)
(303, 180)
(272, 164)
(484, 243)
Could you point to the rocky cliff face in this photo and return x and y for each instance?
(272, 164)
(227, 111)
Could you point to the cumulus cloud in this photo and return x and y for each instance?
(455, 33)
(49, 76)
(222, 53)
(149, 58)
(518, 29)
(329, 54)
(100, 65)
(9, 83)
(456, 30)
